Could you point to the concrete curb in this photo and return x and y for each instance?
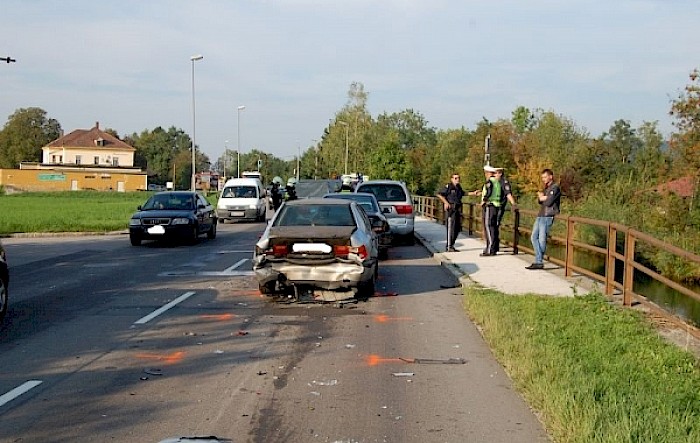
(60, 234)
(445, 262)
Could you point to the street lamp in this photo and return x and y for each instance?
(347, 129)
(238, 153)
(194, 58)
(225, 155)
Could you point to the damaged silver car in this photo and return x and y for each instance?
(318, 244)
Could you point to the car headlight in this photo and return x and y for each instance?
(181, 221)
(135, 222)
(252, 207)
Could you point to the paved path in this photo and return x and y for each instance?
(505, 272)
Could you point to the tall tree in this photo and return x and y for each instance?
(686, 142)
(27, 130)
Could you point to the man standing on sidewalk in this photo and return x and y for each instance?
(549, 207)
(451, 198)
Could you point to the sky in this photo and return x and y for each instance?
(127, 64)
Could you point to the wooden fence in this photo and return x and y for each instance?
(622, 245)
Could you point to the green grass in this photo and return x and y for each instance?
(593, 371)
(79, 211)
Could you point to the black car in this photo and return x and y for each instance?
(4, 281)
(175, 215)
(380, 225)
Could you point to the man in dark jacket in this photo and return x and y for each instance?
(451, 198)
(548, 199)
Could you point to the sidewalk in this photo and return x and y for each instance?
(505, 272)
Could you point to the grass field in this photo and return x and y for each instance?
(84, 211)
(594, 372)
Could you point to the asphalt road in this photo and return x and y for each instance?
(109, 342)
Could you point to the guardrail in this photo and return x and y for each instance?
(622, 245)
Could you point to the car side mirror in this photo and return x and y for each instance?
(138, 208)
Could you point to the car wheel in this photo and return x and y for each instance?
(211, 234)
(3, 299)
(366, 289)
(135, 240)
(268, 288)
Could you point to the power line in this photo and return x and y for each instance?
(8, 59)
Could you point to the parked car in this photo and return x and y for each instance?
(242, 199)
(174, 215)
(369, 203)
(397, 206)
(4, 282)
(319, 243)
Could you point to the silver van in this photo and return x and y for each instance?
(397, 206)
(242, 199)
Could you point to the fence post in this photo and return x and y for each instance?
(516, 230)
(569, 254)
(610, 262)
(628, 280)
(470, 229)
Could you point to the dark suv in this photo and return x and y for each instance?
(4, 281)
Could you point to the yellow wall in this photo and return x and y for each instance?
(48, 180)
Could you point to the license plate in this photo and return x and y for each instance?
(156, 230)
(311, 247)
(237, 213)
(396, 221)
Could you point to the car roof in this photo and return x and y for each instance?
(319, 201)
(175, 193)
(381, 182)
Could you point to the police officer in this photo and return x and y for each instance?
(451, 198)
(490, 203)
(276, 192)
(506, 195)
(291, 189)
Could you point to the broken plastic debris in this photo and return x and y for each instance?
(447, 361)
(262, 372)
(153, 371)
(242, 333)
(325, 382)
(403, 374)
(348, 346)
(315, 393)
(218, 351)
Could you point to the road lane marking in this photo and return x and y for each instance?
(19, 390)
(164, 308)
(228, 272)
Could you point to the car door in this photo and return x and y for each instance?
(364, 221)
(204, 210)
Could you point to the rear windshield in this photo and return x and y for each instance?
(315, 215)
(239, 192)
(365, 201)
(385, 192)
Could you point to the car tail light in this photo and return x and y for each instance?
(404, 209)
(277, 251)
(344, 251)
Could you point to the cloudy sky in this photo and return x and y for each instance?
(127, 63)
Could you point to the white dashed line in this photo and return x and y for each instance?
(164, 308)
(19, 390)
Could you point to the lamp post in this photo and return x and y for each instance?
(347, 129)
(194, 58)
(238, 152)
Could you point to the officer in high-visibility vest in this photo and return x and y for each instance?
(490, 202)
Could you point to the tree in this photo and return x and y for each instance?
(24, 134)
(686, 142)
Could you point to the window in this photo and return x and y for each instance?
(96, 160)
(115, 161)
(56, 159)
(78, 159)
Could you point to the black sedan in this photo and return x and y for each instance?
(369, 203)
(4, 281)
(175, 215)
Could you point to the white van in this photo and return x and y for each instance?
(242, 199)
